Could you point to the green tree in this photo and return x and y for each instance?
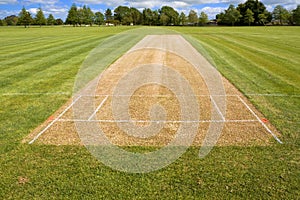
(182, 19)
(155, 17)
(232, 15)
(136, 16)
(50, 20)
(291, 17)
(281, 14)
(123, 15)
(11, 20)
(2, 22)
(249, 17)
(99, 18)
(40, 17)
(255, 6)
(164, 19)
(80, 15)
(203, 19)
(25, 18)
(296, 15)
(108, 15)
(193, 17)
(221, 18)
(72, 17)
(88, 16)
(263, 18)
(59, 22)
(169, 16)
(148, 16)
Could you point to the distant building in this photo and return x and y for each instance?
(213, 22)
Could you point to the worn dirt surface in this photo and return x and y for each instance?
(95, 107)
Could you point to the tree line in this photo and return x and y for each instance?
(25, 18)
(123, 15)
(252, 12)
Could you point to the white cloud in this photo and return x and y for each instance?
(94, 2)
(146, 4)
(281, 2)
(56, 11)
(42, 2)
(33, 11)
(212, 12)
(3, 2)
(5, 13)
(288, 4)
(269, 7)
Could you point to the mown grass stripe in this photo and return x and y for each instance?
(21, 50)
(53, 65)
(267, 56)
(34, 65)
(229, 67)
(104, 55)
(40, 51)
(265, 62)
(239, 59)
(260, 47)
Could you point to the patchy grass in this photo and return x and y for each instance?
(43, 60)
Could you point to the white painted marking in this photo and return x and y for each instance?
(55, 120)
(263, 124)
(98, 108)
(217, 107)
(161, 121)
(158, 95)
(201, 95)
(67, 93)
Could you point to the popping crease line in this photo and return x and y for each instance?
(158, 121)
(203, 95)
(61, 114)
(265, 126)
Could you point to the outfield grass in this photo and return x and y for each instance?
(256, 60)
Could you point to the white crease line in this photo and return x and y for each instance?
(98, 108)
(153, 121)
(203, 95)
(55, 120)
(154, 95)
(217, 107)
(66, 93)
(264, 125)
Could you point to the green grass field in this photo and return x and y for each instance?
(37, 72)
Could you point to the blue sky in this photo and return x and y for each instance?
(59, 8)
